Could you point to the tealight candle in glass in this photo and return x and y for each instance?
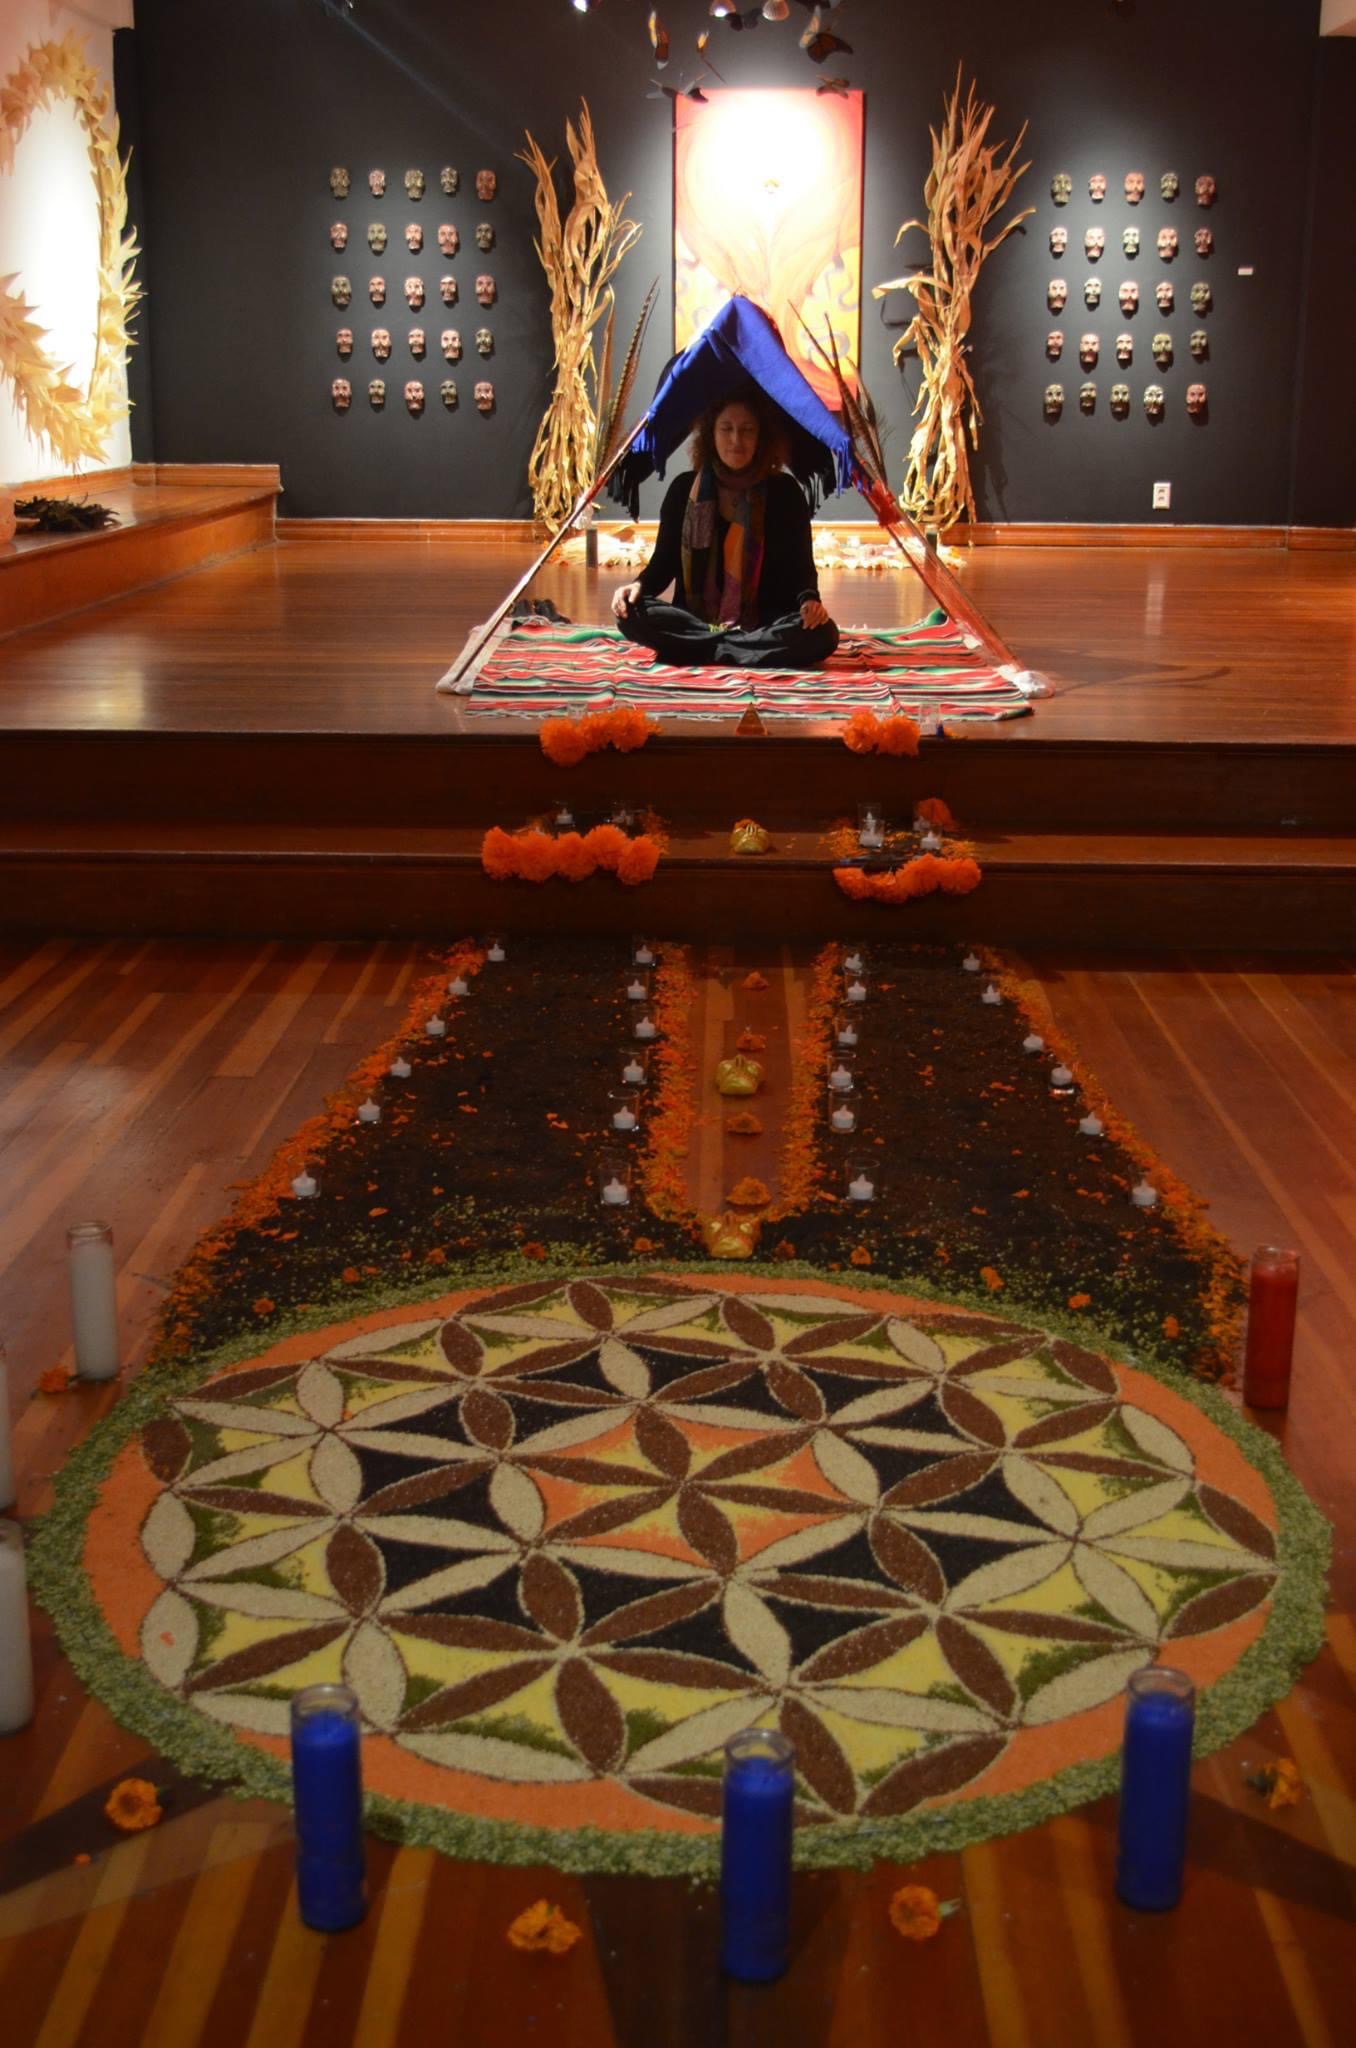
(635, 1069)
(459, 986)
(854, 988)
(842, 1073)
(1061, 1080)
(861, 1180)
(842, 1116)
(847, 1029)
(870, 827)
(854, 961)
(931, 841)
(495, 949)
(645, 1026)
(305, 1186)
(369, 1112)
(625, 1105)
(400, 1068)
(642, 953)
(563, 819)
(638, 986)
(614, 1180)
(435, 1027)
(94, 1300)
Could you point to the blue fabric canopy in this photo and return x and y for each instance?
(738, 347)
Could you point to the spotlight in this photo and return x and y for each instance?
(583, 6)
(720, 8)
(776, 10)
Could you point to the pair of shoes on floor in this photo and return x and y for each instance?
(538, 608)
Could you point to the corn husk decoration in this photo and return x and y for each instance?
(580, 255)
(968, 186)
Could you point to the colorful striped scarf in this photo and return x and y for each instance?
(722, 583)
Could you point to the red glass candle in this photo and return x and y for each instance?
(1272, 1292)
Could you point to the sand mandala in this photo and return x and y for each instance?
(564, 1538)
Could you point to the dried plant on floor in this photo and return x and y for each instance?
(580, 255)
(968, 186)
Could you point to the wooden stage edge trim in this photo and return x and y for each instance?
(984, 535)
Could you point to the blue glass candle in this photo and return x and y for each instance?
(327, 1793)
(755, 1855)
(1160, 1718)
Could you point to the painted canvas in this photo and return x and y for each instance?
(768, 201)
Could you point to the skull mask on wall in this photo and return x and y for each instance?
(1134, 187)
(1206, 190)
(1097, 188)
(414, 238)
(447, 290)
(450, 343)
(381, 343)
(486, 184)
(484, 236)
(447, 391)
(1092, 292)
(1205, 242)
(1087, 397)
(1125, 348)
(1164, 296)
(1129, 298)
(1054, 344)
(1120, 400)
(376, 238)
(417, 341)
(339, 234)
(1059, 241)
(414, 396)
(486, 290)
(1161, 347)
(1054, 401)
(1200, 344)
(1061, 188)
(341, 394)
(1089, 348)
(376, 183)
(376, 290)
(1167, 243)
(1130, 241)
(1169, 185)
(343, 341)
(449, 177)
(339, 182)
(484, 398)
(376, 393)
(449, 241)
(414, 291)
(414, 184)
(1201, 299)
(1153, 401)
(1094, 241)
(1196, 400)
(484, 342)
(341, 291)
(1057, 294)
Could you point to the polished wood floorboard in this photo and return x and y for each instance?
(1195, 645)
(139, 1081)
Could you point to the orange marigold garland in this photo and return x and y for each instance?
(673, 1112)
(567, 740)
(799, 1170)
(924, 875)
(535, 856)
(867, 733)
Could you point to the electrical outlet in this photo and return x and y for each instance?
(1162, 497)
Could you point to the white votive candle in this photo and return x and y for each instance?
(841, 1078)
(458, 986)
(861, 1189)
(646, 1028)
(16, 1655)
(94, 1308)
(565, 819)
(636, 990)
(401, 1068)
(633, 1074)
(931, 841)
(991, 995)
(1061, 1077)
(436, 1027)
(616, 1192)
(643, 955)
(1091, 1126)
(843, 1118)
(1144, 1195)
(305, 1185)
(624, 1120)
(369, 1112)
(853, 963)
(6, 1455)
(971, 963)
(870, 836)
(856, 992)
(847, 1034)
(1033, 1042)
(495, 951)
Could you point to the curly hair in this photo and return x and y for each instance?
(772, 435)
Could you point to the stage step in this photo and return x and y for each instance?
(1205, 891)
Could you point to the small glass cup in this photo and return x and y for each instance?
(842, 1117)
(847, 1030)
(861, 1180)
(496, 952)
(842, 1073)
(635, 1068)
(856, 960)
(562, 818)
(644, 1027)
(638, 985)
(870, 827)
(94, 1300)
(625, 1107)
(614, 1179)
(856, 987)
(643, 952)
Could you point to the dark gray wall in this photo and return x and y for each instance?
(244, 108)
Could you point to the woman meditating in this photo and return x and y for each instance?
(734, 540)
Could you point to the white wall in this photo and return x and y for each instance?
(49, 222)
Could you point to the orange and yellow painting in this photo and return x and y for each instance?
(768, 201)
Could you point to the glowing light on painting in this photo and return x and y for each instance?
(768, 201)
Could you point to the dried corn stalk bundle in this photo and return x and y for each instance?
(580, 255)
(968, 186)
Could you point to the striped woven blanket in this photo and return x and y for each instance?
(931, 671)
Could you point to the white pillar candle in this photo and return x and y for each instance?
(646, 1029)
(94, 1307)
(305, 1185)
(369, 1112)
(494, 951)
(616, 1192)
(6, 1455)
(856, 992)
(841, 1078)
(401, 1068)
(1033, 1042)
(1144, 1196)
(436, 1027)
(991, 995)
(458, 986)
(633, 1073)
(16, 1654)
(971, 963)
(1091, 1126)
(624, 1120)
(861, 1189)
(1061, 1077)
(843, 1119)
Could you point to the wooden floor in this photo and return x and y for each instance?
(1194, 645)
(138, 1082)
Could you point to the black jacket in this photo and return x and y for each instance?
(789, 575)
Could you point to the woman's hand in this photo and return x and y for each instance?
(623, 598)
(813, 613)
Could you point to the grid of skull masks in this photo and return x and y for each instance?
(411, 367)
(1162, 319)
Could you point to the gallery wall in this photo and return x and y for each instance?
(242, 110)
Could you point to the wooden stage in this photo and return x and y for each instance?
(139, 1080)
(256, 747)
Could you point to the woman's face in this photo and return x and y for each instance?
(736, 435)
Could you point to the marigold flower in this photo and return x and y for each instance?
(897, 735)
(574, 859)
(992, 1279)
(754, 981)
(959, 877)
(607, 844)
(748, 1193)
(132, 1805)
(264, 1306)
(56, 1380)
(536, 853)
(744, 1124)
(533, 1250)
(437, 1257)
(644, 1247)
(542, 1929)
(498, 855)
(350, 1276)
(915, 1912)
(1287, 1787)
(859, 1256)
(784, 1249)
(934, 812)
(853, 883)
(639, 859)
(1171, 1327)
(751, 1041)
(859, 734)
(1079, 1300)
(562, 742)
(629, 728)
